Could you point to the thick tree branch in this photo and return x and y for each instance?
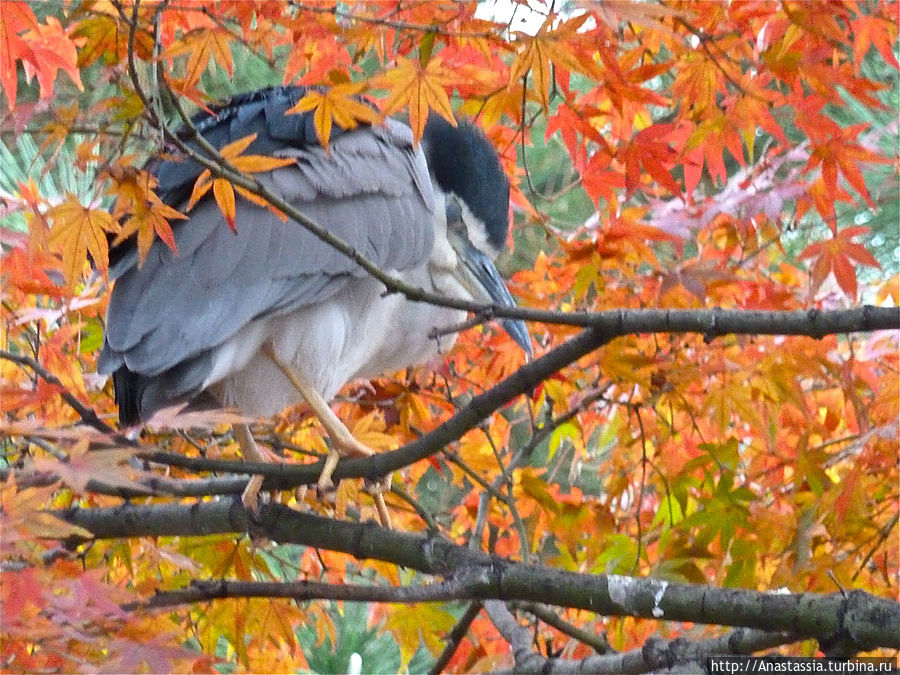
(519, 639)
(659, 655)
(711, 323)
(855, 620)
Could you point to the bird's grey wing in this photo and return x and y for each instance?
(371, 189)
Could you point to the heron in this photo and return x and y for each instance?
(268, 315)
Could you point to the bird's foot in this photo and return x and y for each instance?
(325, 485)
(377, 489)
(343, 445)
(250, 495)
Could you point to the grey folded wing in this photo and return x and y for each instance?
(371, 189)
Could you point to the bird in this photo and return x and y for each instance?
(267, 315)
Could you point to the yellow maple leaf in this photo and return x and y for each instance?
(422, 88)
(199, 45)
(78, 230)
(25, 515)
(340, 104)
(406, 623)
(369, 431)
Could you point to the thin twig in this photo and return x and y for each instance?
(87, 414)
(454, 639)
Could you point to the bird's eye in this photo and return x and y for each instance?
(454, 212)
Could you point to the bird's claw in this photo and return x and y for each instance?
(325, 488)
(250, 495)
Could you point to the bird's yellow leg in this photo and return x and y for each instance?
(342, 441)
(377, 491)
(251, 453)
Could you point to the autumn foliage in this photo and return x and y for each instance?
(733, 162)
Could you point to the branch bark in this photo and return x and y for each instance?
(711, 323)
(855, 620)
(658, 655)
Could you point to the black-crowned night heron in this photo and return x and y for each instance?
(264, 317)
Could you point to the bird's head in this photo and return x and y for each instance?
(466, 171)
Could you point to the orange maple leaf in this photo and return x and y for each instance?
(147, 215)
(842, 152)
(223, 190)
(150, 220)
(560, 46)
(837, 256)
(200, 45)
(43, 49)
(422, 88)
(652, 152)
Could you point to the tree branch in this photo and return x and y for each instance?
(202, 590)
(87, 414)
(519, 639)
(659, 654)
(597, 642)
(455, 637)
(855, 620)
(711, 323)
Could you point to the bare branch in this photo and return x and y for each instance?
(87, 414)
(849, 621)
(661, 655)
(202, 590)
(455, 637)
(519, 639)
(597, 642)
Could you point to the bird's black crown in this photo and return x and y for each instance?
(465, 163)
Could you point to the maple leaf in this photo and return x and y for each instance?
(561, 46)
(147, 215)
(650, 150)
(874, 30)
(840, 151)
(84, 465)
(78, 230)
(223, 190)
(411, 623)
(25, 513)
(29, 272)
(15, 18)
(340, 104)
(316, 52)
(616, 14)
(200, 45)
(422, 88)
(698, 81)
(710, 138)
(101, 34)
(366, 430)
(43, 49)
(837, 256)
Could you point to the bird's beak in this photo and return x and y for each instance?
(479, 276)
